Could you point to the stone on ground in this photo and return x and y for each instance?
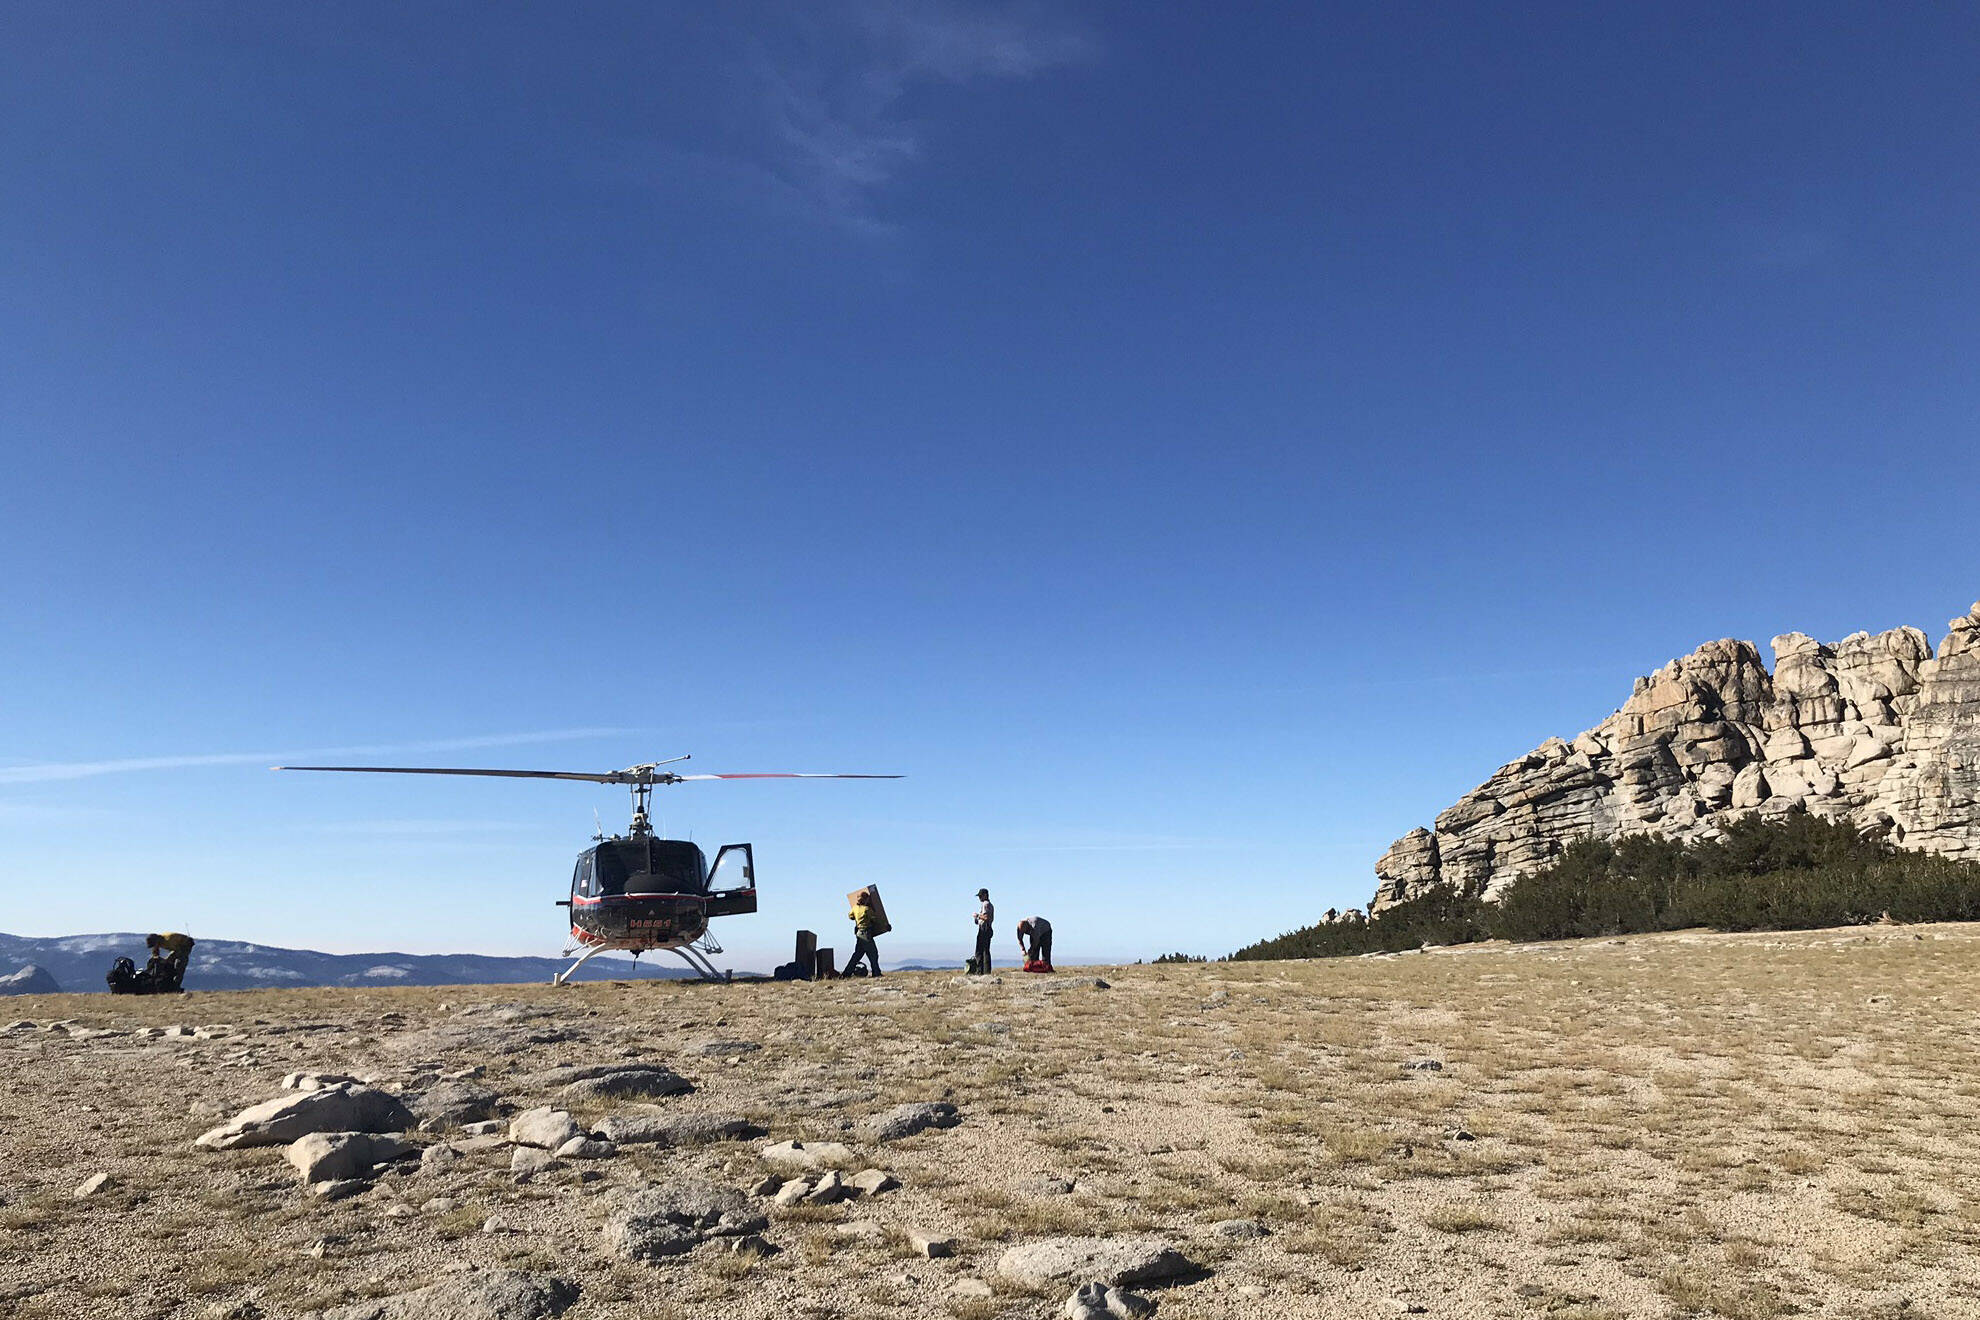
(483, 1295)
(340, 1108)
(671, 1218)
(338, 1189)
(1096, 1301)
(675, 1130)
(628, 1083)
(586, 1148)
(453, 1104)
(872, 1182)
(546, 1128)
(91, 1185)
(528, 1161)
(931, 1245)
(1239, 1228)
(798, 1157)
(1112, 1261)
(333, 1156)
(906, 1120)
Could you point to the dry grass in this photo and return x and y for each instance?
(1744, 1127)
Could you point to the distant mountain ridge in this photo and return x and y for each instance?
(79, 962)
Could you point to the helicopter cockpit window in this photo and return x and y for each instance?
(650, 866)
(582, 880)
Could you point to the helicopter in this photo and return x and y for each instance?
(634, 892)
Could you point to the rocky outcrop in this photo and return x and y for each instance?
(1876, 729)
(30, 980)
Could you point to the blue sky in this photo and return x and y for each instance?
(1194, 448)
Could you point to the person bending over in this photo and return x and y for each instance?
(170, 952)
(1035, 943)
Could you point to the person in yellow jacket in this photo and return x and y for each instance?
(866, 927)
(170, 952)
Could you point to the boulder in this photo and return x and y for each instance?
(799, 1157)
(341, 1108)
(333, 1156)
(438, 1156)
(675, 1130)
(725, 1049)
(586, 1148)
(481, 1295)
(528, 1161)
(453, 1103)
(628, 1083)
(671, 1218)
(1066, 1260)
(544, 1127)
(906, 1120)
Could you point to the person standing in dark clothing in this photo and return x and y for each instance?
(986, 917)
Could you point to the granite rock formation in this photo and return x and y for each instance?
(1876, 729)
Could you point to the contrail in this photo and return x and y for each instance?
(43, 773)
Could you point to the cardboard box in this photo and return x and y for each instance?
(871, 895)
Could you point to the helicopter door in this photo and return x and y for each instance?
(732, 881)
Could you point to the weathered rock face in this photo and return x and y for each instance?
(1876, 730)
(30, 980)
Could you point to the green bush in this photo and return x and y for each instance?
(1790, 872)
(1441, 916)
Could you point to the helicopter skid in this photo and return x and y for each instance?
(564, 976)
(692, 952)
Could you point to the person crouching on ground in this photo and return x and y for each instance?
(866, 926)
(170, 952)
(1035, 943)
(986, 917)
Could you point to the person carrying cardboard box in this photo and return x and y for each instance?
(869, 921)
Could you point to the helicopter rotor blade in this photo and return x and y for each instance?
(615, 777)
(785, 774)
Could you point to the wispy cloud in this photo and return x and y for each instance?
(47, 771)
(835, 102)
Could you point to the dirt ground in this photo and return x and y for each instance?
(1691, 1124)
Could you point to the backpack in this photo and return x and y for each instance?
(123, 977)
